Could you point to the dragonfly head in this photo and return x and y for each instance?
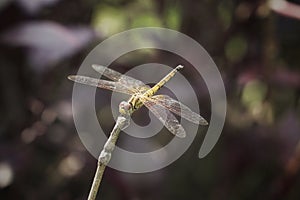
(125, 108)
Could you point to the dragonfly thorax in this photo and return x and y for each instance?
(135, 101)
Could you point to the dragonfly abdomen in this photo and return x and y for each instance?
(157, 86)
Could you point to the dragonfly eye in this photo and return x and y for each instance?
(124, 107)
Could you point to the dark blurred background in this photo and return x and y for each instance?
(255, 44)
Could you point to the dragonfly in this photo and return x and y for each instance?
(162, 106)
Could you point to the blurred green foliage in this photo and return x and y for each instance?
(236, 48)
(110, 19)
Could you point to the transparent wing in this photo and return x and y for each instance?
(178, 108)
(110, 85)
(123, 79)
(166, 117)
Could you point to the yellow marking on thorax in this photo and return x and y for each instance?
(137, 103)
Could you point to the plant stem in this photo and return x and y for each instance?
(96, 181)
(105, 155)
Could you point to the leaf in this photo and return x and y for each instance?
(33, 6)
(48, 42)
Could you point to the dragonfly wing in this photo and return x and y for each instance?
(107, 72)
(178, 108)
(166, 117)
(109, 85)
(123, 79)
